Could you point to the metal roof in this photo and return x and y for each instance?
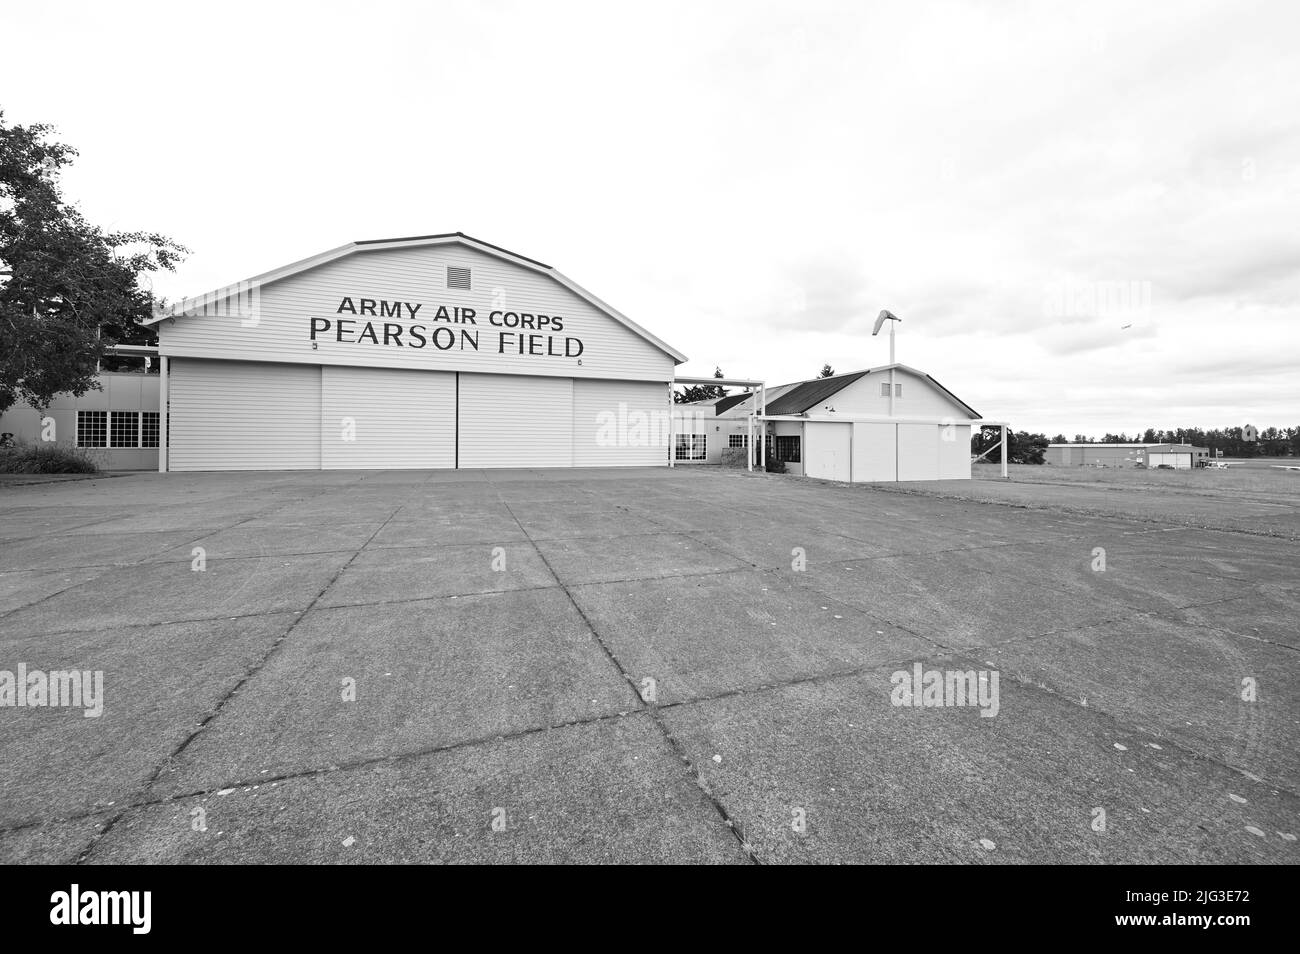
(811, 393)
(731, 400)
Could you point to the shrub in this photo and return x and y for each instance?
(45, 459)
(734, 457)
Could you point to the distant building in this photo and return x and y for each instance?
(1178, 456)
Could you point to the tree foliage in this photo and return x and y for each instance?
(68, 289)
(1022, 447)
(827, 371)
(691, 393)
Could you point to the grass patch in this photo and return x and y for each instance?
(45, 459)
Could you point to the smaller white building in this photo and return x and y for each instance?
(888, 423)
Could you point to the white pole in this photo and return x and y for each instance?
(762, 434)
(163, 449)
(672, 433)
(891, 367)
(1004, 450)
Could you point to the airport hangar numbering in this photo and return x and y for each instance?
(439, 351)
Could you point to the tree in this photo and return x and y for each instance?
(1022, 447)
(827, 371)
(691, 393)
(72, 289)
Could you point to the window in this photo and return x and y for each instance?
(787, 449)
(124, 429)
(692, 447)
(884, 389)
(738, 440)
(457, 277)
(92, 428)
(149, 428)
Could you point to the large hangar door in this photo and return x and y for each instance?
(620, 423)
(514, 421)
(387, 418)
(243, 415)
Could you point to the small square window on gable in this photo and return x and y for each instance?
(884, 389)
(457, 277)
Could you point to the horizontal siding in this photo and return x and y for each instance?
(418, 275)
(399, 419)
(513, 421)
(620, 423)
(227, 415)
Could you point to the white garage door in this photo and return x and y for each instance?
(243, 415)
(826, 450)
(954, 452)
(387, 418)
(918, 452)
(619, 423)
(875, 453)
(515, 421)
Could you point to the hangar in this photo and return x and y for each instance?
(887, 423)
(437, 351)
(1178, 456)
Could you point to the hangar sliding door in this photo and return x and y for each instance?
(826, 449)
(515, 421)
(918, 452)
(619, 423)
(875, 451)
(243, 415)
(954, 452)
(386, 418)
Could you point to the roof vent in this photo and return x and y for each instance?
(457, 277)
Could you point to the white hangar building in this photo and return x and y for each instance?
(438, 351)
(888, 423)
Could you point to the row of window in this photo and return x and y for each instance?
(117, 428)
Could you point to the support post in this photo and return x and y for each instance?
(1004, 450)
(672, 433)
(164, 449)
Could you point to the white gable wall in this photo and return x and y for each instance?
(274, 322)
(920, 398)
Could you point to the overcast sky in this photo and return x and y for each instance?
(1086, 214)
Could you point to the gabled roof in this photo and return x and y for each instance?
(189, 306)
(803, 395)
